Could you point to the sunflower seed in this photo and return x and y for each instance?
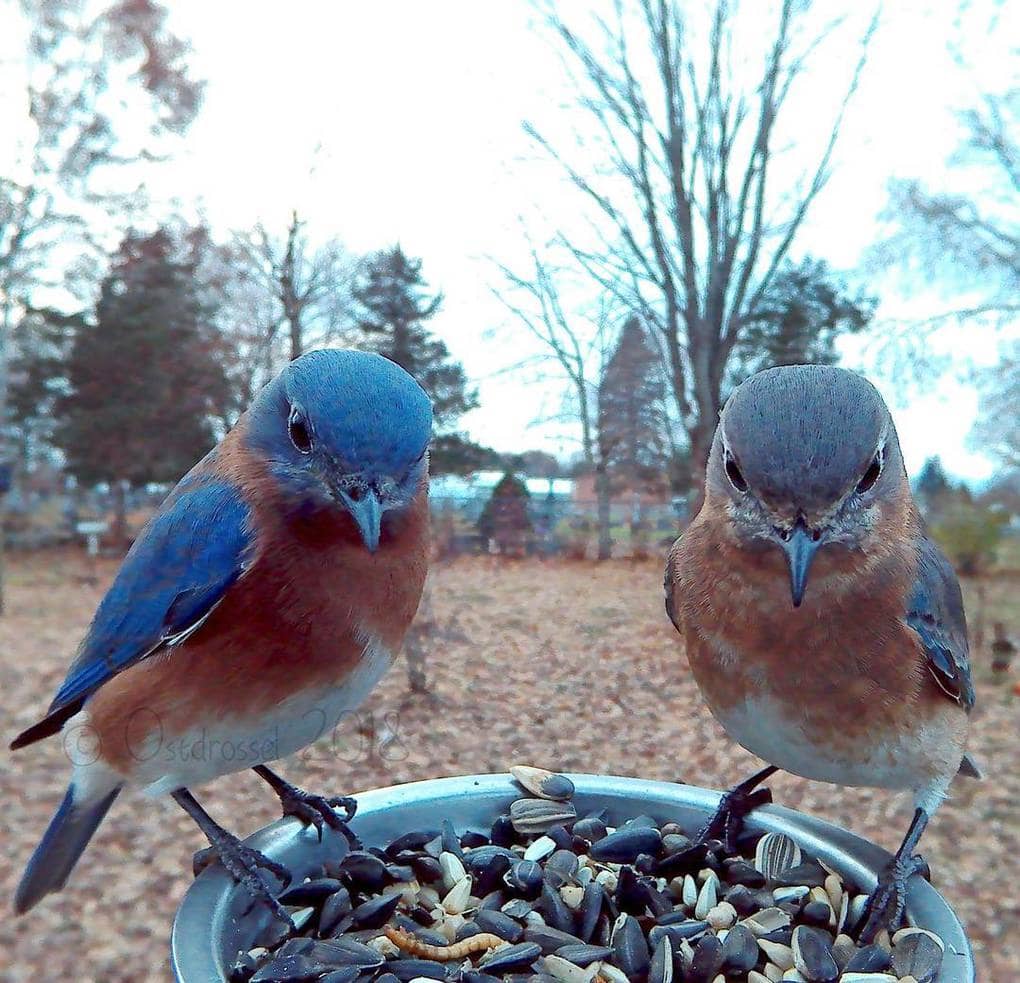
(767, 920)
(904, 933)
(706, 961)
(584, 955)
(509, 957)
(812, 954)
(660, 969)
(870, 959)
(630, 948)
(524, 878)
(544, 784)
(775, 853)
(453, 869)
(917, 955)
(707, 898)
(565, 971)
(779, 954)
(539, 815)
(740, 950)
(457, 899)
(591, 908)
(626, 844)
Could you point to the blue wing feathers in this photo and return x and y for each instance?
(179, 568)
(936, 614)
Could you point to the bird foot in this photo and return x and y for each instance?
(244, 864)
(318, 810)
(888, 900)
(728, 820)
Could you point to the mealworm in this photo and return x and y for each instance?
(404, 940)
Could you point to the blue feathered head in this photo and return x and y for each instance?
(345, 428)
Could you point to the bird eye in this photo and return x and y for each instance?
(871, 475)
(298, 430)
(733, 473)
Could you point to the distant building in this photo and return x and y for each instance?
(470, 492)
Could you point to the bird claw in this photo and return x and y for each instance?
(889, 899)
(318, 810)
(243, 863)
(728, 819)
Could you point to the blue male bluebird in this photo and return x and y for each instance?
(259, 606)
(860, 677)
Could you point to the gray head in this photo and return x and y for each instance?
(344, 429)
(803, 458)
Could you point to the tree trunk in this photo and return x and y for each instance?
(604, 516)
(701, 435)
(119, 533)
(288, 290)
(6, 322)
(415, 645)
(978, 629)
(296, 341)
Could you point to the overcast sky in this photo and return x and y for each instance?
(392, 121)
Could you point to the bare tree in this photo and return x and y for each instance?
(996, 432)
(71, 144)
(692, 217)
(578, 342)
(61, 177)
(288, 282)
(969, 240)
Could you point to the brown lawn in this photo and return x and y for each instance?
(572, 667)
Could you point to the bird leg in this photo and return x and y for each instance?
(310, 808)
(242, 862)
(734, 806)
(886, 904)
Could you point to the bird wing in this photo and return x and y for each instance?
(668, 582)
(936, 614)
(178, 570)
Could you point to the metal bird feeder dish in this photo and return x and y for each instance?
(211, 926)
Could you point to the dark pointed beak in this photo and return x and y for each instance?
(366, 510)
(800, 547)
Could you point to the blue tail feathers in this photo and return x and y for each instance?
(65, 840)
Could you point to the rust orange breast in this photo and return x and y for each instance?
(300, 619)
(840, 662)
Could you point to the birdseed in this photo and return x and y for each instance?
(545, 894)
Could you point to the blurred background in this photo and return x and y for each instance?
(579, 226)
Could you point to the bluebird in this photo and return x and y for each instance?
(259, 606)
(825, 630)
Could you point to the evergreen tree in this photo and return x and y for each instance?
(505, 518)
(145, 377)
(799, 318)
(39, 349)
(631, 420)
(395, 303)
(933, 489)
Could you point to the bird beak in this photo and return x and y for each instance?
(366, 510)
(800, 547)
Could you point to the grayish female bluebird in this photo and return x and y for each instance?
(824, 628)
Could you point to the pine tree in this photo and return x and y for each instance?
(395, 304)
(631, 423)
(799, 318)
(145, 376)
(505, 519)
(934, 490)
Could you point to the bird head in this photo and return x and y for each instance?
(806, 459)
(347, 430)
